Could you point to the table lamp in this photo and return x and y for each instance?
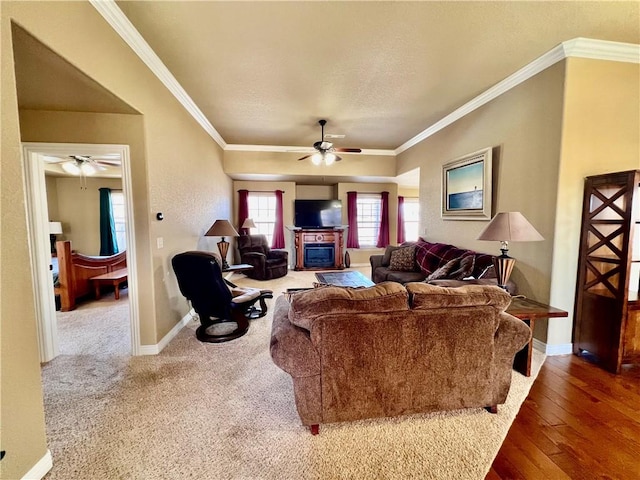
(55, 228)
(222, 228)
(248, 224)
(508, 227)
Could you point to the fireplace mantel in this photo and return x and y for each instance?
(306, 239)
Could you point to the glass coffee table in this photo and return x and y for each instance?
(350, 278)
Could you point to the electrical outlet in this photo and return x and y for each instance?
(160, 242)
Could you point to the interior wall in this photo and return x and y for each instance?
(524, 128)
(79, 210)
(601, 134)
(316, 192)
(286, 163)
(23, 435)
(176, 169)
(52, 200)
(360, 256)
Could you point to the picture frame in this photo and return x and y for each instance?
(466, 187)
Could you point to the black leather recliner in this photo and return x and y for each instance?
(200, 280)
(267, 264)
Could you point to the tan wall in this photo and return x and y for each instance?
(523, 126)
(279, 163)
(601, 134)
(79, 210)
(289, 189)
(316, 192)
(176, 169)
(21, 409)
(361, 255)
(52, 200)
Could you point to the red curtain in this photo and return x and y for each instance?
(352, 220)
(278, 228)
(243, 210)
(383, 234)
(401, 233)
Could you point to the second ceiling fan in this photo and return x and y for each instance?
(326, 151)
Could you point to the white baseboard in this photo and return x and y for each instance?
(156, 349)
(40, 469)
(551, 350)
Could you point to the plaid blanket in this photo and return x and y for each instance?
(431, 256)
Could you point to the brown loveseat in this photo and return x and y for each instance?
(437, 263)
(388, 350)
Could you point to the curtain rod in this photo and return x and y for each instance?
(259, 191)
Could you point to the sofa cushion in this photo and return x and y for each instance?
(384, 297)
(425, 296)
(403, 259)
(403, 277)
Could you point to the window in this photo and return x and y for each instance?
(262, 208)
(411, 211)
(119, 218)
(369, 206)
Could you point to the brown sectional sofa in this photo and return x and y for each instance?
(392, 350)
(432, 259)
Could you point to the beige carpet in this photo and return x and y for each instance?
(205, 411)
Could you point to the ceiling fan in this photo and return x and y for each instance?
(325, 150)
(85, 164)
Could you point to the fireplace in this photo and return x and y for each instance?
(319, 255)
(318, 248)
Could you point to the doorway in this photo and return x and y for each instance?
(40, 249)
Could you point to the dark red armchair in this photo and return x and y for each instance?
(267, 264)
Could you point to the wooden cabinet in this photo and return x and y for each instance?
(607, 311)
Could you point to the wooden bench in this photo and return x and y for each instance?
(115, 278)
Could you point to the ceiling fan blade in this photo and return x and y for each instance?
(108, 163)
(348, 150)
(305, 157)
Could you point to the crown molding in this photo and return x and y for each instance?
(602, 50)
(578, 47)
(297, 149)
(123, 27)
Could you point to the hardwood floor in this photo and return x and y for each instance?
(578, 422)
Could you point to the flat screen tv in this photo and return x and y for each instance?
(317, 213)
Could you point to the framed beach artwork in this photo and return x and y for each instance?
(466, 187)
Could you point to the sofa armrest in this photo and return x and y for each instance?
(255, 259)
(279, 254)
(291, 348)
(376, 261)
(512, 335)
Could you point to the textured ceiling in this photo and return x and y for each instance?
(263, 73)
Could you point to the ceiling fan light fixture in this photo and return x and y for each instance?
(316, 158)
(71, 168)
(87, 169)
(329, 158)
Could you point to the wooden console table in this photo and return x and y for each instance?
(319, 237)
(528, 310)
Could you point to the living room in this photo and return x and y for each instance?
(573, 118)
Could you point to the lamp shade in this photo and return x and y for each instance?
(221, 228)
(248, 223)
(55, 228)
(510, 227)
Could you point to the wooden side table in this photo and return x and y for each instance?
(528, 310)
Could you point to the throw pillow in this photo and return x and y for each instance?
(403, 259)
